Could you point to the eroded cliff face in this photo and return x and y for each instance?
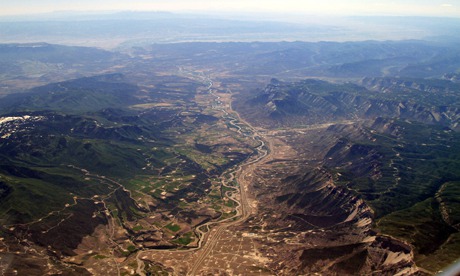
(431, 101)
(313, 101)
(306, 223)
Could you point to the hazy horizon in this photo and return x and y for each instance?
(140, 23)
(435, 8)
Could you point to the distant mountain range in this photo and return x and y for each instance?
(127, 29)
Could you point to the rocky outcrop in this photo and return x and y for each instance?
(321, 228)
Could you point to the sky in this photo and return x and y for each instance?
(442, 8)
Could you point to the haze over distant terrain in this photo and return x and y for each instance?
(109, 30)
(353, 7)
(108, 23)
